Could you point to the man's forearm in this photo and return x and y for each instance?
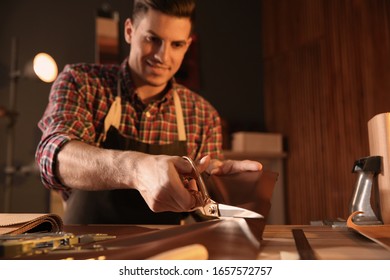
(157, 178)
(82, 166)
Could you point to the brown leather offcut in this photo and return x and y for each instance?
(18, 223)
(224, 239)
(249, 190)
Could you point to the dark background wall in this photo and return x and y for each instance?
(229, 51)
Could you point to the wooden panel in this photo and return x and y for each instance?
(326, 73)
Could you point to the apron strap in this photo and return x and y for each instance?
(114, 114)
(179, 117)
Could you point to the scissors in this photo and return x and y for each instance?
(212, 209)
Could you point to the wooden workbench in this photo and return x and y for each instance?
(223, 240)
(328, 243)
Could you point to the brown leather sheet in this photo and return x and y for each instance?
(377, 233)
(17, 223)
(250, 190)
(224, 239)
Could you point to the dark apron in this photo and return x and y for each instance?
(123, 206)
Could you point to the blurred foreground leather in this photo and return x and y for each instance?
(249, 190)
(224, 239)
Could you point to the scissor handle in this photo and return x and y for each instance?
(209, 208)
(199, 180)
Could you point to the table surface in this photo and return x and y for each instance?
(327, 242)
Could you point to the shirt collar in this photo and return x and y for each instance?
(128, 88)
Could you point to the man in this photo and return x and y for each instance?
(113, 136)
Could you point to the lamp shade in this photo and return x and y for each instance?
(42, 66)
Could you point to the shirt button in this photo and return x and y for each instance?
(148, 114)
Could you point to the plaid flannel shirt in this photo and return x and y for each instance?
(81, 97)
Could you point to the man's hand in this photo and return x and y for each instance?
(217, 167)
(159, 179)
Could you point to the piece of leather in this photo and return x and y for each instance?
(223, 239)
(377, 233)
(251, 190)
(18, 223)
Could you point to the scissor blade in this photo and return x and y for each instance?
(237, 212)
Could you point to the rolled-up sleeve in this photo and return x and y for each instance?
(46, 155)
(67, 116)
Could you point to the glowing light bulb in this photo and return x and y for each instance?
(45, 67)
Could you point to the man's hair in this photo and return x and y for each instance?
(176, 8)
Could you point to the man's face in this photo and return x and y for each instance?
(158, 45)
